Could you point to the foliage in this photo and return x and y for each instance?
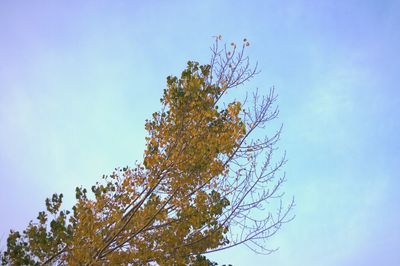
(200, 188)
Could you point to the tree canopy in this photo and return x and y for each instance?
(203, 185)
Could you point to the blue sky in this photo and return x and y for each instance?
(78, 79)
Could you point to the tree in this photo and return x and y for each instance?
(201, 187)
